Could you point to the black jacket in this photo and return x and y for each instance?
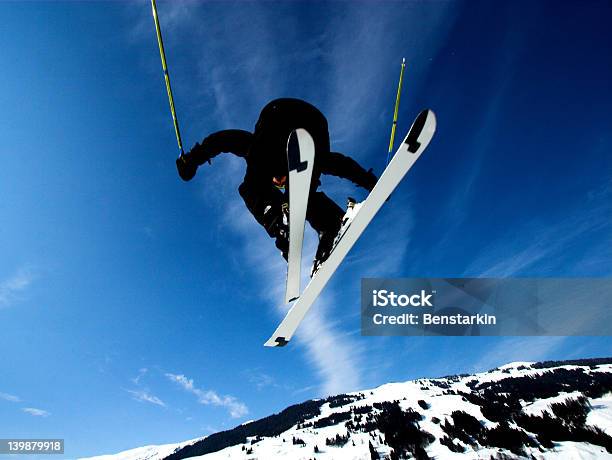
(265, 151)
(239, 142)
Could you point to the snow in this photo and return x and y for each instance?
(575, 450)
(153, 452)
(541, 405)
(271, 448)
(516, 364)
(601, 414)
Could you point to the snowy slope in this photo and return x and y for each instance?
(146, 453)
(544, 410)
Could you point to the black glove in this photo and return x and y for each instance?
(186, 168)
(368, 181)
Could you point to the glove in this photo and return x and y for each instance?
(368, 180)
(186, 169)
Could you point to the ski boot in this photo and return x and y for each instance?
(326, 245)
(329, 240)
(277, 226)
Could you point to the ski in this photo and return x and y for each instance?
(418, 138)
(300, 158)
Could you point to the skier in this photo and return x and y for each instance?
(265, 152)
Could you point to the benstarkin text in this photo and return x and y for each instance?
(431, 319)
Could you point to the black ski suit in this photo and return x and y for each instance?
(265, 152)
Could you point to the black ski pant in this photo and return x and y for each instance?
(323, 214)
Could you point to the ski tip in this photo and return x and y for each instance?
(429, 118)
(426, 117)
(421, 131)
(276, 342)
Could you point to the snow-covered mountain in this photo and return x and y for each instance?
(520, 410)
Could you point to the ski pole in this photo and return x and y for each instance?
(162, 53)
(397, 101)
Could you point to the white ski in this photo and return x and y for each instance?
(417, 140)
(300, 158)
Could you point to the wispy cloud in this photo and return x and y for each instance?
(366, 48)
(339, 371)
(536, 241)
(9, 397)
(236, 408)
(260, 379)
(145, 396)
(12, 287)
(141, 373)
(36, 412)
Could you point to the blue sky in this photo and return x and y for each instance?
(133, 306)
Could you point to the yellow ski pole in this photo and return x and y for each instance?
(397, 101)
(167, 77)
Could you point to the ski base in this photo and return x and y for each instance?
(300, 159)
